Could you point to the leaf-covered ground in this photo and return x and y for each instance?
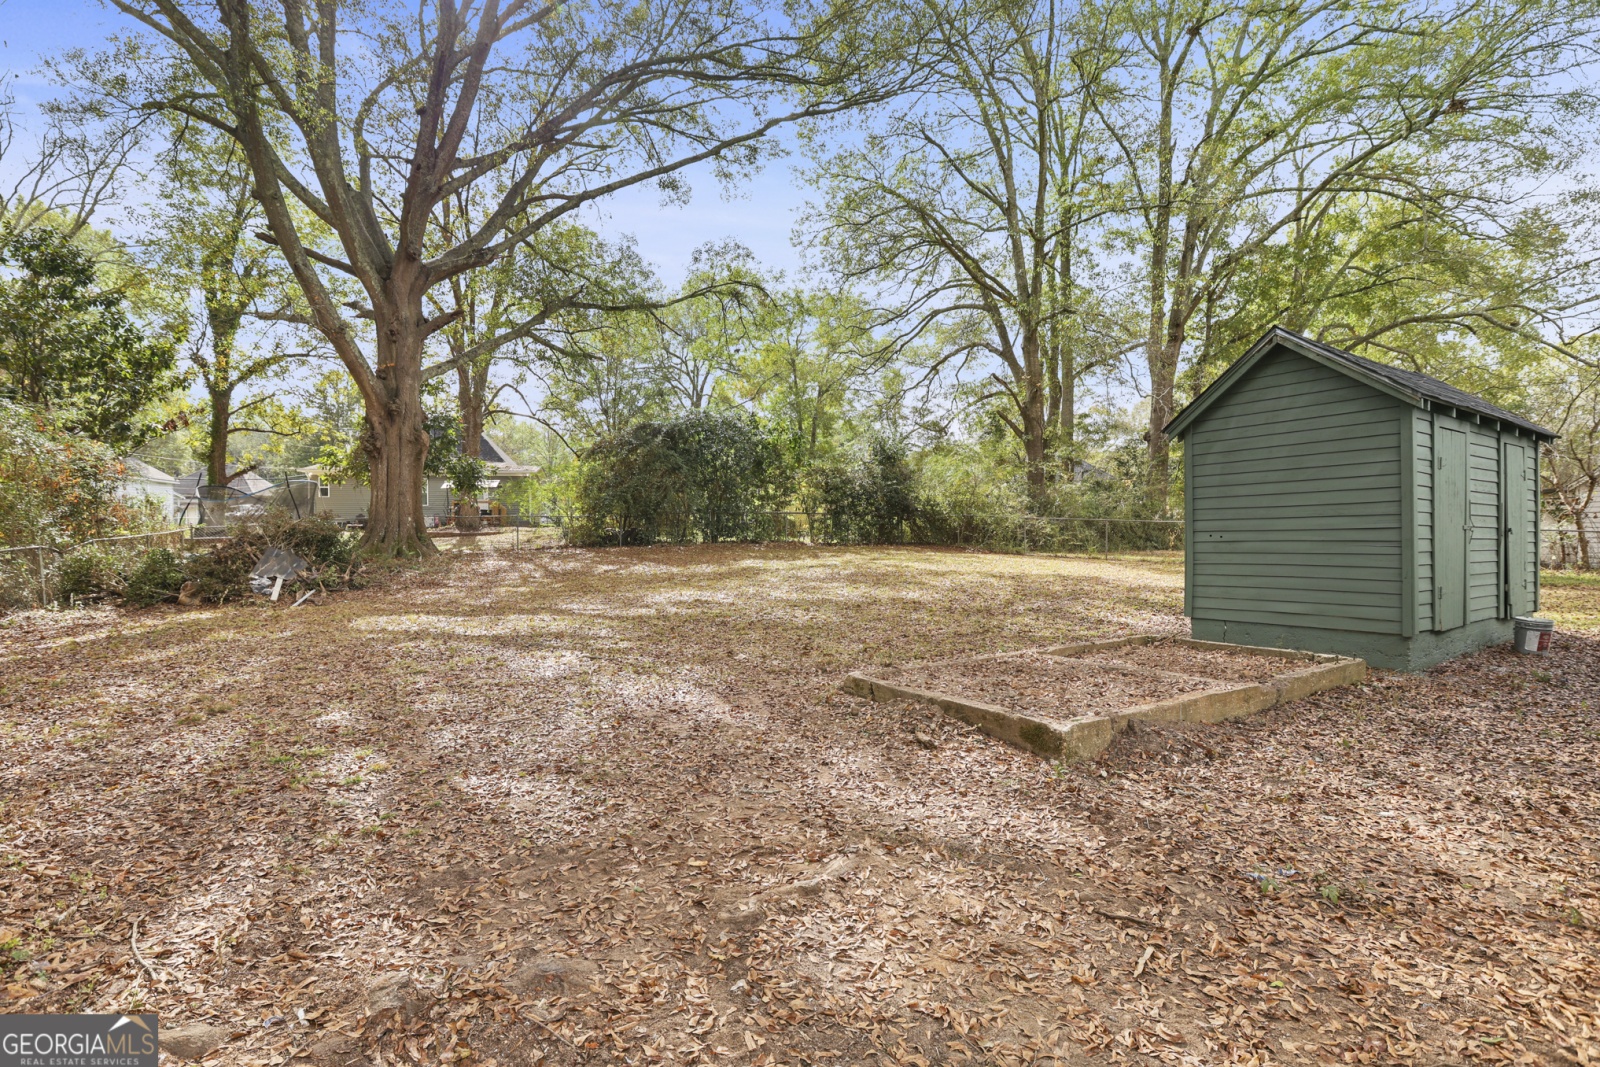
(606, 806)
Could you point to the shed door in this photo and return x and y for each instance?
(1516, 497)
(1450, 530)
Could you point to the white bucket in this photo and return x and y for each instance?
(1533, 635)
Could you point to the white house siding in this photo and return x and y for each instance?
(135, 489)
(140, 480)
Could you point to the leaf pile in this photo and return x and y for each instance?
(606, 806)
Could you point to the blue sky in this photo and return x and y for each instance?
(760, 215)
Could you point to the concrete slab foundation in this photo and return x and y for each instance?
(1387, 651)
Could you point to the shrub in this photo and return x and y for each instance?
(872, 499)
(55, 489)
(90, 573)
(704, 477)
(157, 577)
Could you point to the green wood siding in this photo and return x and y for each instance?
(1519, 491)
(1519, 527)
(1485, 597)
(1294, 494)
(1422, 506)
(1451, 538)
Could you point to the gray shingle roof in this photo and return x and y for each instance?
(1421, 384)
(1418, 387)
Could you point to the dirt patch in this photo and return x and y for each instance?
(1197, 662)
(588, 807)
(1045, 686)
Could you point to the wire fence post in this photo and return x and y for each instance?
(1108, 537)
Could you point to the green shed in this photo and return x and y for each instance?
(1339, 505)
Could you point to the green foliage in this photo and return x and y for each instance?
(700, 477)
(873, 498)
(467, 475)
(69, 344)
(158, 577)
(91, 572)
(56, 488)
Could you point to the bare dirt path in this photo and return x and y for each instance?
(606, 807)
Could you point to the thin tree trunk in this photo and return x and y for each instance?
(1163, 369)
(1034, 424)
(471, 385)
(217, 442)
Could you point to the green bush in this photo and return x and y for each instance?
(55, 488)
(874, 499)
(90, 573)
(158, 577)
(702, 477)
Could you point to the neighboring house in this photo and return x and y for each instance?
(346, 501)
(1560, 542)
(140, 480)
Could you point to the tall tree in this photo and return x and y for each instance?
(1233, 123)
(706, 327)
(71, 344)
(202, 224)
(962, 201)
(1567, 398)
(809, 352)
(370, 116)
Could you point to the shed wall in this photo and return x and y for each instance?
(1295, 486)
(1484, 592)
(1422, 458)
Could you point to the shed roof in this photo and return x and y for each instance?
(1410, 386)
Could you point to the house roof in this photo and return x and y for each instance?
(489, 450)
(1414, 388)
(138, 468)
(248, 482)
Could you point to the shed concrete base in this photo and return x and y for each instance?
(1087, 736)
(1388, 651)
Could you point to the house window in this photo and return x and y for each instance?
(322, 489)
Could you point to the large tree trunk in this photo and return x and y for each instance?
(396, 442)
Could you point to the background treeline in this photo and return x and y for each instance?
(1033, 231)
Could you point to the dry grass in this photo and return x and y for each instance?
(606, 807)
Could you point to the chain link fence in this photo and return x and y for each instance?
(29, 573)
(1095, 535)
(1562, 548)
